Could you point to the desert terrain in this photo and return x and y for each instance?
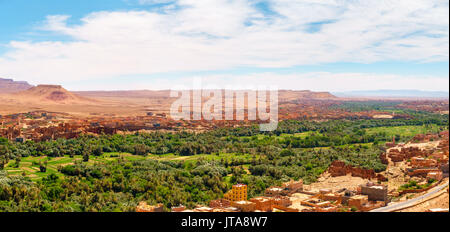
(341, 147)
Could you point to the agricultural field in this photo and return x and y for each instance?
(405, 131)
(116, 172)
(30, 166)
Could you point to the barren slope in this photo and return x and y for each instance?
(50, 94)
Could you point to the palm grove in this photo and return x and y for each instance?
(297, 149)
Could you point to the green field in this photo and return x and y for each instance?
(282, 136)
(404, 131)
(30, 165)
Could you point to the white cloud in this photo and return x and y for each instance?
(200, 35)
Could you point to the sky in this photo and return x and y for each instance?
(320, 45)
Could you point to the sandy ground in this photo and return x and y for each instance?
(117, 108)
(110, 103)
(337, 183)
(396, 175)
(441, 201)
(326, 182)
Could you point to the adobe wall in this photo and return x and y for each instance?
(339, 168)
(244, 206)
(421, 172)
(397, 155)
(282, 201)
(263, 204)
(220, 203)
(375, 194)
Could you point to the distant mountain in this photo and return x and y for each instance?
(289, 95)
(284, 95)
(394, 93)
(125, 93)
(49, 94)
(11, 86)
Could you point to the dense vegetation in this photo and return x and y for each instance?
(240, 140)
(298, 149)
(119, 185)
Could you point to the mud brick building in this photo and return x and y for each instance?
(375, 192)
(399, 155)
(422, 172)
(293, 186)
(237, 193)
(437, 175)
(220, 203)
(331, 197)
(420, 162)
(274, 191)
(264, 204)
(282, 201)
(244, 206)
(315, 202)
(358, 201)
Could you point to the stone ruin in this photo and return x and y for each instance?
(340, 168)
(399, 155)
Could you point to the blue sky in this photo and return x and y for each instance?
(18, 18)
(155, 44)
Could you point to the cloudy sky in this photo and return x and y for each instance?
(323, 45)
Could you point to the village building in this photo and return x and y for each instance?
(435, 175)
(273, 191)
(358, 201)
(420, 162)
(244, 206)
(263, 204)
(375, 192)
(237, 193)
(293, 186)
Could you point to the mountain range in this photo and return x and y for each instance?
(11, 86)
